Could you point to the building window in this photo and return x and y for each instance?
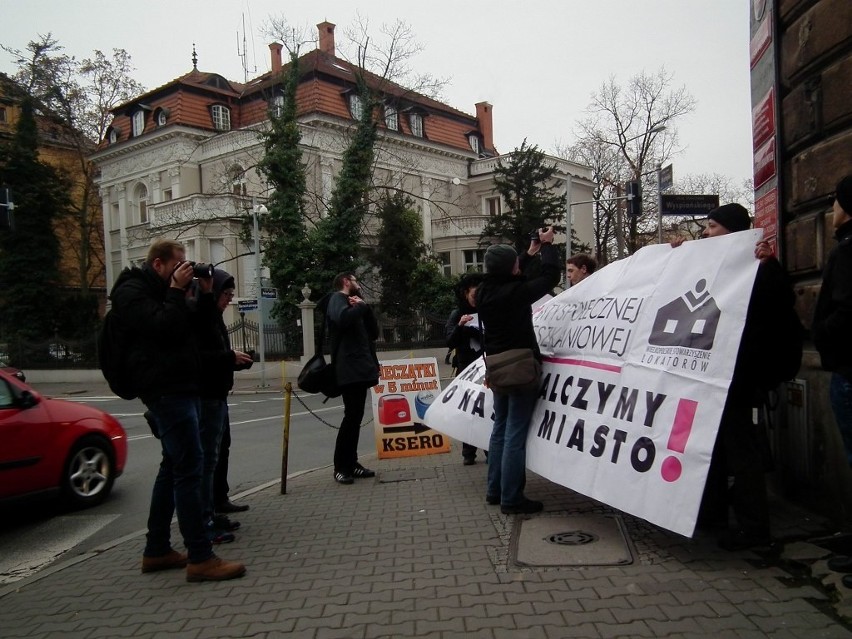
(162, 118)
(238, 180)
(356, 106)
(221, 117)
(138, 123)
(391, 118)
(3, 115)
(474, 143)
(493, 206)
(141, 197)
(474, 260)
(446, 264)
(167, 195)
(416, 121)
(113, 136)
(277, 107)
(113, 216)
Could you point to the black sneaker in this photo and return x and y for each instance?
(343, 478)
(469, 461)
(840, 563)
(362, 473)
(220, 537)
(526, 507)
(492, 500)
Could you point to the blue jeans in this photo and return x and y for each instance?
(211, 426)
(507, 450)
(840, 395)
(178, 482)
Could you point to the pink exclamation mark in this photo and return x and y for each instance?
(684, 415)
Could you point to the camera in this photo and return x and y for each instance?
(255, 357)
(534, 234)
(200, 269)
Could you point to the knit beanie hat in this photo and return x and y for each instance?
(500, 259)
(843, 194)
(732, 216)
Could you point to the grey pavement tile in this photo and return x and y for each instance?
(632, 629)
(583, 631)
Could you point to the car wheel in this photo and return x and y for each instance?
(89, 472)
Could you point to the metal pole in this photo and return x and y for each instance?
(619, 222)
(659, 203)
(285, 448)
(260, 328)
(568, 229)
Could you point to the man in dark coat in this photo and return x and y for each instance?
(150, 304)
(464, 336)
(832, 332)
(354, 331)
(504, 301)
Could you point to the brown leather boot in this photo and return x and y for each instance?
(214, 569)
(172, 559)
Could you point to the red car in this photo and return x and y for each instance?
(49, 445)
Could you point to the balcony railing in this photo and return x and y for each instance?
(470, 225)
(198, 207)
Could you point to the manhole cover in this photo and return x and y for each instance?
(576, 540)
(572, 538)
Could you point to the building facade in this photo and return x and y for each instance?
(180, 161)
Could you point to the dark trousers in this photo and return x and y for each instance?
(346, 449)
(220, 476)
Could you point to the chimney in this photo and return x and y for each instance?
(483, 114)
(275, 53)
(326, 37)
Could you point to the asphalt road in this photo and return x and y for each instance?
(35, 535)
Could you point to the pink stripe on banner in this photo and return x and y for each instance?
(580, 362)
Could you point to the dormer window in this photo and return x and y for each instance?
(112, 136)
(415, 120)
(138, 123)
(161, 117)
(221, 117)
(356, 106)
(473, 140)
(391, 118)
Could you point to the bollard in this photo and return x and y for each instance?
(285, 447)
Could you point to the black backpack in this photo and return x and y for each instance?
(113, 348)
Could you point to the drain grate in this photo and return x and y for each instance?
(572, 538)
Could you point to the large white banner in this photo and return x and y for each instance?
(637, 363)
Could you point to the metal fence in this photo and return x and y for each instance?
(59, 352)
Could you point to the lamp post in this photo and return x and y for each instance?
(258, 210)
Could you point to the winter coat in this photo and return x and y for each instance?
(832, 324)
(216, 356)
(163, 349)
(353, 331)
(504, 302)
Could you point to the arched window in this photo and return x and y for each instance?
(356, 106)
(140, 197)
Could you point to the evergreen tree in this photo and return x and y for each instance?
(398, 252)
(286, 249)
(29, 255)
(335, 239)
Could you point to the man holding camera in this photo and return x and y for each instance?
(150, 303)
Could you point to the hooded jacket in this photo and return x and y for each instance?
(163, 350)
(504, 302)
(216, 356)
(832, 325)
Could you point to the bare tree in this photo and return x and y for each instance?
(637, 122)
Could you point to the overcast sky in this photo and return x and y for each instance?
(536, 61)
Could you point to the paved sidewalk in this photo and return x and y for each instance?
(416, 552)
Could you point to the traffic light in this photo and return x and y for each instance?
(634, 199)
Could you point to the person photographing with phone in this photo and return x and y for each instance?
(504, 301)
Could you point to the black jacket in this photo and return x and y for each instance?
(215, 354)
(354, 331)
(504, 303)
(466, 340)
(163, 351)
(832, 324)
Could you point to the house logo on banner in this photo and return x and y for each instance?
(684, 331)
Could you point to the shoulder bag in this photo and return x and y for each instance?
(318, 376)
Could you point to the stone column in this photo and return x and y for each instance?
(307, 306)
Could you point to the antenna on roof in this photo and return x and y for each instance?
(194, 58)
(241, 53)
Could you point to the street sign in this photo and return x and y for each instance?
(699, 205)
(247, 305)
(666, 178)
(269, 293)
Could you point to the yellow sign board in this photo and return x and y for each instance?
(406, 389)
